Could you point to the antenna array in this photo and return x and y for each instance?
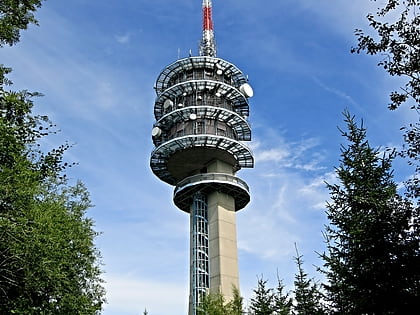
(208, 43)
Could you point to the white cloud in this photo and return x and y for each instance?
(123, 39)
(297, 155)
(272, 155)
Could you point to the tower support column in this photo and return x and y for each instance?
(223, 252)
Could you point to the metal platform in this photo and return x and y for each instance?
(208, 183)
(161, 155)
(199, 62)
(230, 118)
(221, 93)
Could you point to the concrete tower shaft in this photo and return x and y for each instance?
(201, 111)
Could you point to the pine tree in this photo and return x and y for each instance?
(263, 299)
(372, 254)
(236, 307)
(215, 304)
(308, 296)
(282, 302)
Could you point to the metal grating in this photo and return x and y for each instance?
(208, 183)
(161, 154)
(200, 274)
(190, 63)
(232, 119)
(177, 92)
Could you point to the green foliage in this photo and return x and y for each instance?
(308, 296)
(48, 260)
(283, 304)
(215, 304)
(212, 304)
(263, 299)
(373, 250)
(397, 26)
(16, 15)
(236, 306)
(269, 301)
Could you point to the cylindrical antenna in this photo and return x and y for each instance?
(208, 44)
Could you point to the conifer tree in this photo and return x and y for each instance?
(372, 257)
(270, 301)
(308, 297)
(215, 304)
(282, 302)
(263, 299)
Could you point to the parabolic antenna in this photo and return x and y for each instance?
(193, 116)
(246, 90)
(156, 132)
(167, 104)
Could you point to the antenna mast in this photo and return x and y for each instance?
(208, 44)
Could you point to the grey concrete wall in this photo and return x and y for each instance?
(223, 252)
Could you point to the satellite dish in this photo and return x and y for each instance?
(193, 116)
(246, 90)
(156, 132)
(219, 72)
(167, 104)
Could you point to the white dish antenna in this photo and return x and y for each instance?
(193, 116)
(167, 104)
(246, 90)
(156, 132)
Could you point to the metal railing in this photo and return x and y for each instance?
(211, 177)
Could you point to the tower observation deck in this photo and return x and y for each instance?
(201, 113)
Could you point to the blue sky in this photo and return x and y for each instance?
(97, 61)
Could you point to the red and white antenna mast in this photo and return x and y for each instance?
(208, 43)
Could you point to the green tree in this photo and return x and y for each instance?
(48, 260)
(397, 26)
(215, 304)
(236, 306)
(395, 39)
(270, 301)
(372, 254)
(16, 15)
(282, 302)
(307, 293)
(263, 299)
